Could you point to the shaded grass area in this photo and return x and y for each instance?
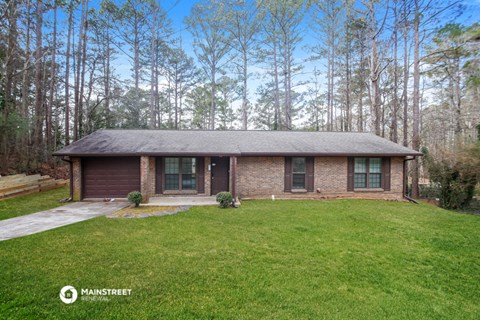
(344, 259)
(31, 203)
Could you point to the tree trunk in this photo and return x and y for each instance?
(457, 104)
(37, 133)
(278, 112)
(78, 71)
(9, 100)
(82, 78)
(244, 90)
(405, 76)
(108, 121)
(26, 139)
(348, 108)
(67, 75)
(152, 66)
(212, 96)
(53, 76)
(158, 112)
(332, 85)
(286, 74)
(361, 91)
(136, 61)
(394, 123)
(329, 83)
(375, 87)
(416, 100)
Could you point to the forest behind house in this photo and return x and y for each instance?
(404, 70)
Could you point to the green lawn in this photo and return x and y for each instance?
(31, 203)
(344, 259)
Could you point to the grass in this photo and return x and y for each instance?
(345, 259)
(142, 211)
(31, 203)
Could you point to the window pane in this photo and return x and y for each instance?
(298, 165)
(188, 182)
(171, 165)
(188, 165)
(360, 180)
(360, 165)
(171, 181)
(298, 181)
(375, 165)
(375, 180)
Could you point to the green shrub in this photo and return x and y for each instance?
(430, 192)
(456, 176)
(135, 197)
(224, 199)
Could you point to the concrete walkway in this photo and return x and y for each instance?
(181, 201)
(54, 218)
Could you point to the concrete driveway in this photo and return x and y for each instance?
(54, 218)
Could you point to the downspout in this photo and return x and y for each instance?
(405, 183)
(233, 171)
(66, 159)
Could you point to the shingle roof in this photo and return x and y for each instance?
(239, 143)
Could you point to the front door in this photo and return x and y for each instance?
(220, 167)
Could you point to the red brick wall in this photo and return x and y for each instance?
(262, 177)
(77, 179)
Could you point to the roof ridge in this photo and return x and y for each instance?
(235, 130)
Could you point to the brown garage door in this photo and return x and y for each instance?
(110, 177)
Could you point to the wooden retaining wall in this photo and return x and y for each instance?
(21, 184)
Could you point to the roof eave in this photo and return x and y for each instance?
(328, 154)
(243, 154)
(150, 154)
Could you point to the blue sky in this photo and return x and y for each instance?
(177, 10)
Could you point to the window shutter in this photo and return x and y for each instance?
(159, 176)
(288, 175)
(200, 175)
(350, 173)
(310, 174)
(386, 174)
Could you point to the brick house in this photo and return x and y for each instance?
(250, 164)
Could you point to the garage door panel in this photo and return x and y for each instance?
(110, 177)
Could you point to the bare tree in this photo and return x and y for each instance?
(211, 43)
(327, 19)
(396, 107)
(416, 98)
(242, 23)
(37, 132)
(49, 136)
(375, 66)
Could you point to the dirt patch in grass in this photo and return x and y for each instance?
(147, 211)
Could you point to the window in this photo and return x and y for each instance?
(180, 174)
(188, 174)
(298, 173)
(368, 173)
(172, 166)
